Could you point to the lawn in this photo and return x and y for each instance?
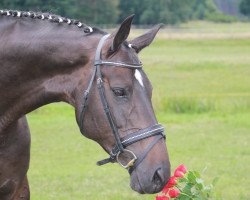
(202, 97)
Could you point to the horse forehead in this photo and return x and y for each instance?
(127, 75)
(126, 55)
(118, 74)
(138, 77)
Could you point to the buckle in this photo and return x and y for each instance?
(126, 158)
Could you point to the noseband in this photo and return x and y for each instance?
(119, 153)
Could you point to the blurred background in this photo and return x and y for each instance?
(147, 11)
(199, 65)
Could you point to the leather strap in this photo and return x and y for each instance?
(85, 99)
(108, 113)
(137, 136)
(144, 154)
(142, 134)
(102, 94)
(132, 138)
(118, 64)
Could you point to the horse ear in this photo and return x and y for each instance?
(121, 34)
(144, 40)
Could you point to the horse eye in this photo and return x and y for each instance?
(119, 92)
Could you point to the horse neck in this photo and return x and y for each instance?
(39, 64)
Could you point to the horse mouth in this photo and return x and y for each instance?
(145, 188)
(136, 186)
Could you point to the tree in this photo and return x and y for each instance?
(89, 11)
(245, 7)
(128, 7)
(15, 4)
(113, 11)
(166, 11)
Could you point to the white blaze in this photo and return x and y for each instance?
(138, 77)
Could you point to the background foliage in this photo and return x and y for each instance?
(245, 7)
(147, 11)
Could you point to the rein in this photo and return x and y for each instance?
(119, 151)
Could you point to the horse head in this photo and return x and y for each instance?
(114, 108)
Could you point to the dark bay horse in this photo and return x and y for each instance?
(46, 58)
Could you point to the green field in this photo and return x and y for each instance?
(202, 97)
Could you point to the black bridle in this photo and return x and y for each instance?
(157, 130)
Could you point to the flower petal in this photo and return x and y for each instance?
(161, 197)
(178, 173)
(182, 168)
(174, 193)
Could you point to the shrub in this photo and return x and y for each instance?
(219, 17)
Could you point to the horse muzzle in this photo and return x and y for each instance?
(149, 180)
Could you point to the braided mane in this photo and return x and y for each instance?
(46, 16)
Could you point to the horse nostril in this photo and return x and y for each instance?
(158, 178)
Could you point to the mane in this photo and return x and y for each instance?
(46, 16)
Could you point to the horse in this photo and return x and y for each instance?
(46, 58)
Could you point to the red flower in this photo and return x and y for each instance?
(182, 168)
(172, 182)
(173, 193)
(161, 198)
(165, 189)
(178, 174)
(180, 171)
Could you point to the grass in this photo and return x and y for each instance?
(204, 30)
(201, 73)
(202, 96)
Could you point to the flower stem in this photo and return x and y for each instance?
(186, 195)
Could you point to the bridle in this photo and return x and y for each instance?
(119, 153)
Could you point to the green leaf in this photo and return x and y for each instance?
(197, 174)
(199, 186)
(187, 189)
(199, 180)
(191, 177)
(215, 180)
(182, 180)
(194, 191)
(183, 197)
(198, 198)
